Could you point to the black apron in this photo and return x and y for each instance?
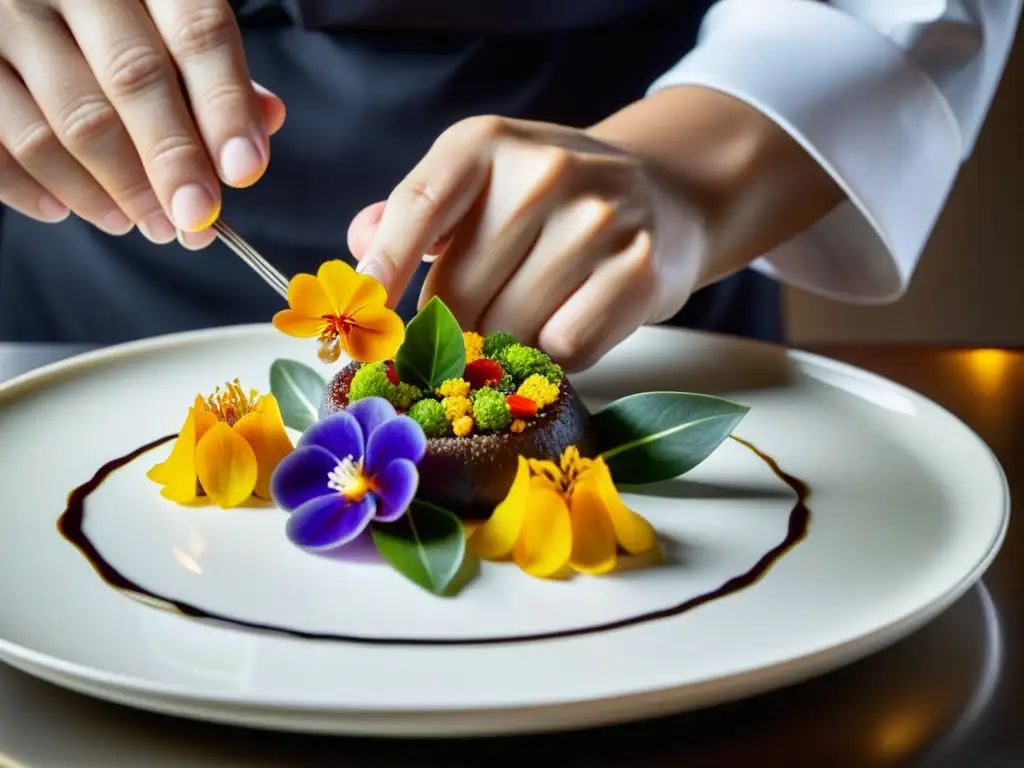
(369, 84)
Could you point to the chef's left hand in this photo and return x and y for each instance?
(539, 230)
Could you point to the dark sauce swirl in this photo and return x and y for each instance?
(72, 526)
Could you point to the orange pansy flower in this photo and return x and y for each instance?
(346, 311)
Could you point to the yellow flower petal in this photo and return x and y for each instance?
(633, 533)
(545, 539)
(178, 473)
(347, 290)
(306, 296)
(495, 538)
(291, 323)
(205, 421)
(263, 429)
(376, 335)
(226, 466)
(593, 537)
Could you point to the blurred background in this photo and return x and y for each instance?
(970, 281)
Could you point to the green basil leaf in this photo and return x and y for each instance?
(434, 349)
(655, 436)
(299, 391)
(427, 545)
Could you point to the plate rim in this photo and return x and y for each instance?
(175, 699)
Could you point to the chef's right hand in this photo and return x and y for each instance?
(128, 112)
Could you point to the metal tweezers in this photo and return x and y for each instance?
(251, 256)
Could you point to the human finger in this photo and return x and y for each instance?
(606, 309)
(31, 144)
(196, 241)
(274, 111)
(528, 184)
(204, 41)
(363, 228)
(429, 202)
(24, 194)
(132, 66)
(85, 123)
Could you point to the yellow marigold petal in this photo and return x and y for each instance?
(376, 335)
(545, 540)
(453, 388)
(226, 466)
(593, 537)
(347, 290)
(306, 295)
(263, 429)
(474, 346)
(495, 538)
(539, 389)
(456, 406)
(161, 472)
(292, 323)
(205, 421)
(178, 473)
(633, 533)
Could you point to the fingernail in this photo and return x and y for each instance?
(158, 229)
(240, 162)
(193, 208)
(192, 241)
(264, 90)
(116, 223)
(373, 268)
(52, 209)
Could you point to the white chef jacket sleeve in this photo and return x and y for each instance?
(887, 95)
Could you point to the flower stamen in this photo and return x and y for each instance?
(349, 480)
(330, 338)
(563, 476)
(231, 403)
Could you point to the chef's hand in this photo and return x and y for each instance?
(541, 231)
(128, 112)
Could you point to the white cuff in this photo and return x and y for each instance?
(872, 119)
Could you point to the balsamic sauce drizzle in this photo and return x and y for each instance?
(72, 522)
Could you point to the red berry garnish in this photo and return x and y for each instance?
(392, 373)
(483, 372)
(521, 406)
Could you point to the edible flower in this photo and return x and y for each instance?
(474, 343)
(348, 469)
(227, 449)
(346, 311)
(538, 389)
(560, 517)
(456, 407)
(453, 388)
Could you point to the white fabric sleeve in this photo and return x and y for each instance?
(887, 95)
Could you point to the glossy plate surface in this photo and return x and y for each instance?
(908, 507)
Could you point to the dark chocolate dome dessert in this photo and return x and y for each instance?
(511, 401)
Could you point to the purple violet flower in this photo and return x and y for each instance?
(348, 469)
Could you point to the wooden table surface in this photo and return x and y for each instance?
(951, 694)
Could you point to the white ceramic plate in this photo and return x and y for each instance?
(908, 507)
